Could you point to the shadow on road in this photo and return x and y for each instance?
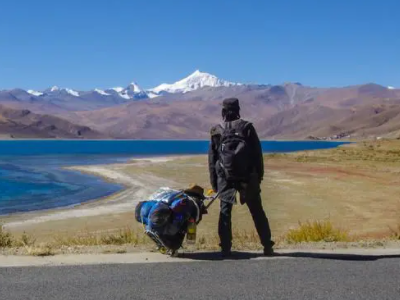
(217, 256)
(337, 256)
(214, 256)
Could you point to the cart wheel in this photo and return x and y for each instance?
(163, 250)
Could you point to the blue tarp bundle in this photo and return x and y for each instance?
(166, 211)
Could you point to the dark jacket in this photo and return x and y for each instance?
(255, 148)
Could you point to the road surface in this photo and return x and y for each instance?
(292, 276)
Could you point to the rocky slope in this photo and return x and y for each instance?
(25, 124)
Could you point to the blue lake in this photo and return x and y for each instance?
(32, 178)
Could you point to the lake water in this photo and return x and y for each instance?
(32, 178)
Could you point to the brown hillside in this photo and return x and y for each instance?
(25, 124)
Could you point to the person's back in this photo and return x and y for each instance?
(236, 164)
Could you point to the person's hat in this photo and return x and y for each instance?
(231, 104)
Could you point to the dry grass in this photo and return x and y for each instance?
(24, 240)
(375, 151)
(246, 239)
(316, 231)
(122, 237)
(6, 239)
(242, 240)
(28, 245)
(41, 250)
(395, 232)
(115, 251)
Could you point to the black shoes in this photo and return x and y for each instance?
(269, 251)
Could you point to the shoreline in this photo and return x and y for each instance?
(178, 140)
(134, 190)
(94, 170)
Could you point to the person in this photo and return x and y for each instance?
(237, 170)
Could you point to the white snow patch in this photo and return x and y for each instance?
(72, 92)
(35, 93)
(391, 88)
(118, 89)
(193, 82)
(152, 95)
(101, 92)
(54, 88)
(135, 88)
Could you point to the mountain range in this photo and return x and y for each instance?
(188, 108)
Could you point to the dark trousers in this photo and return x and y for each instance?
(259, 217)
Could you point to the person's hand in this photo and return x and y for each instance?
(210, 192)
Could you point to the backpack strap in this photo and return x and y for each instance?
(216, 130)
(225, 125)
(241, 125)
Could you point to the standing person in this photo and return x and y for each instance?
(236, 164)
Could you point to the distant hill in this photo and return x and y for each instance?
(278, 112)
(25, 124)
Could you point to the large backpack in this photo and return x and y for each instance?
(234, 151)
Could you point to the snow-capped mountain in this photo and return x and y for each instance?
(132, 92)
(134, 88)
(152, 95)
(116, 95)
(117, 89)
(55, 90)
(35, 93)
(101, 92)
(72, 92)
(193, 82)
(135, 92)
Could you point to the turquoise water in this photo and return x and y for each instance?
(32, 178)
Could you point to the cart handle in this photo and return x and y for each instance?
(212, 199)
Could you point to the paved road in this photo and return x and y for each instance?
(297, 277)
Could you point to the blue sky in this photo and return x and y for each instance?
(97, 44)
